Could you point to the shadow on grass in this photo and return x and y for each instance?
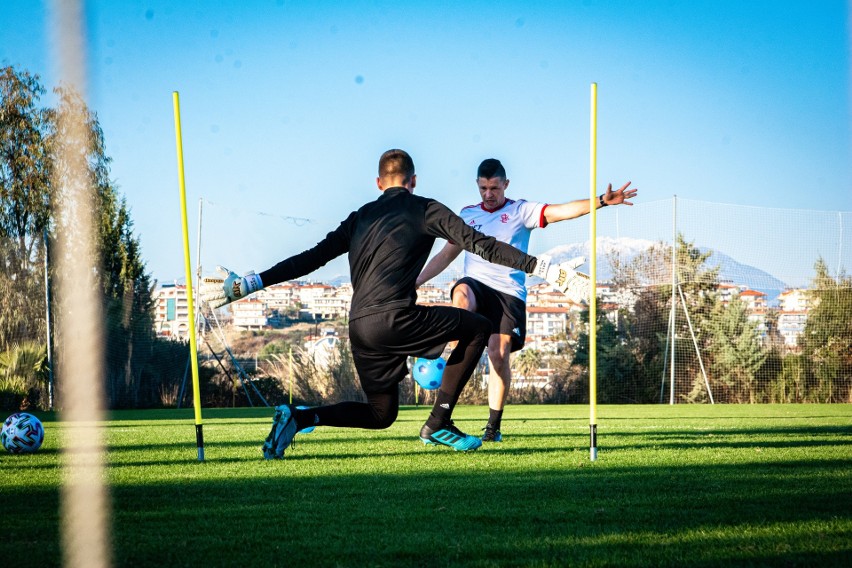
(653, 516)
(534, 508)
(818, 436)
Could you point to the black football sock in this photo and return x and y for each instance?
(442, 411)
(494, 418)
(305, 418)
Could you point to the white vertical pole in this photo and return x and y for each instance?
(198, 257)
(673, 319)
(198, 319)
(695, 343)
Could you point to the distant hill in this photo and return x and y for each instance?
(339, 279)
(730, 270)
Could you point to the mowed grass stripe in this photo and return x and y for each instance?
(697, 485)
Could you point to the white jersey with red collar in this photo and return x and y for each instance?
(512, 223)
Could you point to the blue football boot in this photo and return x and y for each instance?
(449, 435)
(491, 434)
(282, 434)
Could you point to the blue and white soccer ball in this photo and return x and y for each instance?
(428, 372)
(22, 433)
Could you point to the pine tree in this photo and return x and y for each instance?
(737, 352)
(827, 339)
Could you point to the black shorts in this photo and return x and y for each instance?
(382, 342)
(507, 314)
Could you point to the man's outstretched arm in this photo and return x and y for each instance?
(580, 207)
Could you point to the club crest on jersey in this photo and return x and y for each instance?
(504, 218)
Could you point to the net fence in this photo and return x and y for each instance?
(698, 302)
(709, 302)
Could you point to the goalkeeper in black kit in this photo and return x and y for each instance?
(388, 241)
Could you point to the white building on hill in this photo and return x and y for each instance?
(795, 300)
(795, 304)
(249, 313)
(281, 296)
(171, 311)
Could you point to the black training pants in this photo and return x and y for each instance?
(381, 344)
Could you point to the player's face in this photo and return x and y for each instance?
(492, 191)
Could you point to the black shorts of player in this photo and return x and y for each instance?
(382, 342)
(507, 314)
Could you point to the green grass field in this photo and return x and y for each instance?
(672, 486)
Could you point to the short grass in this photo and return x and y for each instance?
(672, 486)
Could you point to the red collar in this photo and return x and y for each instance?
(487, 210)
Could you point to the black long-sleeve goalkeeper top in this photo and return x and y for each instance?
(388, 241)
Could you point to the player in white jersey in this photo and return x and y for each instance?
(497, 292)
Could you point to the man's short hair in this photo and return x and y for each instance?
(395, 163)
(491, 168)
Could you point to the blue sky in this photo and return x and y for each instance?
(286, 106)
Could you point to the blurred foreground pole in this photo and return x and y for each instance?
(85, 507)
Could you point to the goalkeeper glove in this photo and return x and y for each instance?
(229, 287)
(564, 278)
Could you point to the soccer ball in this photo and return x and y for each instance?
(22, 433)
(428, 372)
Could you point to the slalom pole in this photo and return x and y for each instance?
(193, 346)
(593, 264)
(290, 373)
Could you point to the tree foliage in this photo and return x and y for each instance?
(737, 352)
(619, 379)
(24, 205)
(642, 346)
(526, 362)
(827, 339)
(31, 207)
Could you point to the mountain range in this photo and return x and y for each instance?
(730, 270)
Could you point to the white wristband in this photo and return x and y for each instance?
(253, 283)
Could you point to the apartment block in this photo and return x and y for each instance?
(171, 311)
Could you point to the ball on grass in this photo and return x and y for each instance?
(22, 433)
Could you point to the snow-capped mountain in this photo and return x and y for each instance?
(626, 249)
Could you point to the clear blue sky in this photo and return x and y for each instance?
(286, 106)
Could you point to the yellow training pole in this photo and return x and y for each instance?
(193, 346)
(593, 279)
(290, 373)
